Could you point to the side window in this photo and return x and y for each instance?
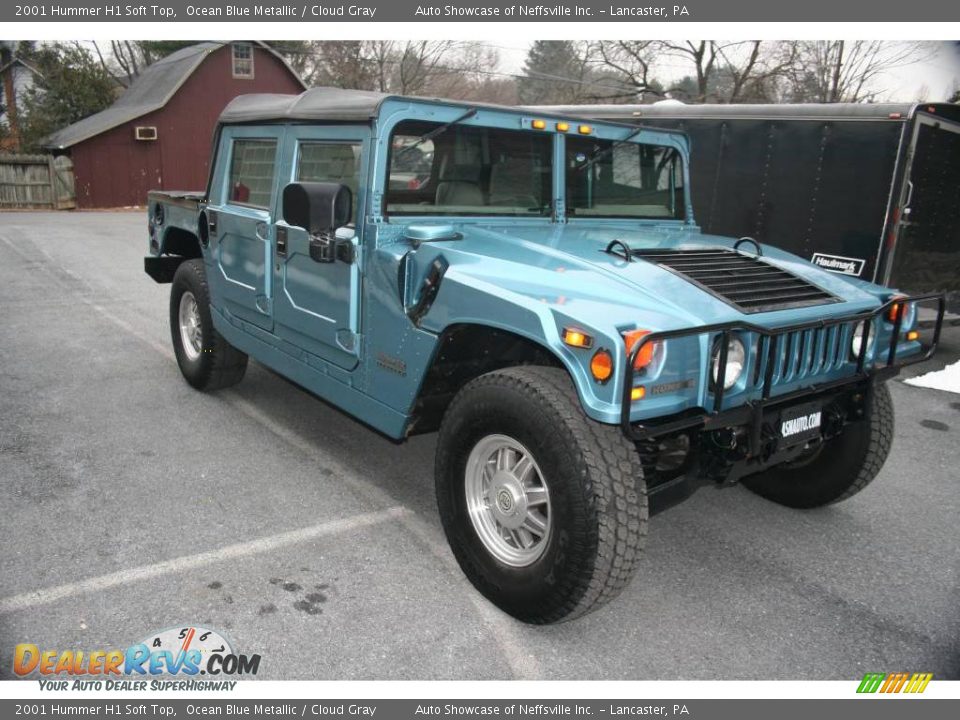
(242, 60)
(469, 170)
(330, 162)
(252, 167)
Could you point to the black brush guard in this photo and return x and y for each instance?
(751, 413)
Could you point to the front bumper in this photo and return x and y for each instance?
(751, 413)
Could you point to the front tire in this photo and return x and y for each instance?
(207, 361)
(544, 509)
(843, 466)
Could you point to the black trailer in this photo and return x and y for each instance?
(867, 190)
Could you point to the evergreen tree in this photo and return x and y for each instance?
(74, 85)
(548, 61)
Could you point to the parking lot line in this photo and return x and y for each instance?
(523, 664)
(192, 562)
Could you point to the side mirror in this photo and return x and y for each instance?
(318, 207)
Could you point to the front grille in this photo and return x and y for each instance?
(802, 354)
(747, 282)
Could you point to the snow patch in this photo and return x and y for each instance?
(947, 379)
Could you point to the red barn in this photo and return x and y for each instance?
(157, 134)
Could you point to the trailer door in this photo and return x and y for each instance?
(926, 256)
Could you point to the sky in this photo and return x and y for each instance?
(940, 74)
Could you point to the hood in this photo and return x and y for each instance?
(565, 265)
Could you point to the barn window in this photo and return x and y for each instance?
(242, 60)
(251, 172)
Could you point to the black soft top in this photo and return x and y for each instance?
(340, 105)
(321, 103)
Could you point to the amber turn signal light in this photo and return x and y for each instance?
(601, 365)
(638, 393)
(646, 354)
(912, 335)
(898, 308)
(577, 338)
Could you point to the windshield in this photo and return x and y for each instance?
(610, 178)
(468, 170)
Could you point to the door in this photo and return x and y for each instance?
(242, 225)
(927, 252)
(317, 304)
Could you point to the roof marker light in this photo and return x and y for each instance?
(563, 127)
(584, 129)
(539, 124)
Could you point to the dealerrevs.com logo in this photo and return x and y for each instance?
(153, 663)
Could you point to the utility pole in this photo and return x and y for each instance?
(8, 69)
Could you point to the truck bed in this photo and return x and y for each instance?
(173, 217)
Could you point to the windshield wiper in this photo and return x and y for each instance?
(601, 154)
(437, 131)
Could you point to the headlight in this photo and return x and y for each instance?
(857, 341)
(736, 360)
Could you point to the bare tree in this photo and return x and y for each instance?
(126, 59)
(728, 71)
(713, 71)
(831, 71)
(339, 64)
(633, 61)
(441, 67)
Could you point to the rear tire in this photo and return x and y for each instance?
(843, 467)
(207, 361)
(584, 489)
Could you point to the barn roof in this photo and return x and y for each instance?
(151, 90)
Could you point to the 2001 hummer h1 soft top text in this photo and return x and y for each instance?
(536, 289)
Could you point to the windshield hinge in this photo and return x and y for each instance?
(559, 210)
(376, 206)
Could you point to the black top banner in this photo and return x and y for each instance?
(641, 11)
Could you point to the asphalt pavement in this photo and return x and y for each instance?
(132, 503)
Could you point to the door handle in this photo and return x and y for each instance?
(281, 241)
(261, 230)
(326, 249)
(322, 249)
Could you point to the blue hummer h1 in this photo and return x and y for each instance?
(535, 288)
